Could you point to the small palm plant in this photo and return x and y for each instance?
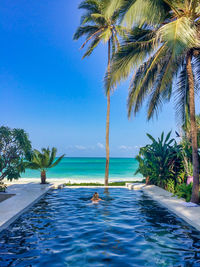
(43, 161)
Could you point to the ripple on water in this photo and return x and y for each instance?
(126, 229)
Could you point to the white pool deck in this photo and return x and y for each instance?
(29, 191)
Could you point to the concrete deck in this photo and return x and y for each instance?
(189, 214)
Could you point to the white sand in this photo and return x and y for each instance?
(72, 180)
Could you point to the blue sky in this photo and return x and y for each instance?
(58, 98)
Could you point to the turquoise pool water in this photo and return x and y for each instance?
(126, 229)
(90, 168)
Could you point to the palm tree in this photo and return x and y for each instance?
(43, 161)
(164, 48)
(98, 27)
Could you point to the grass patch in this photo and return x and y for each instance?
(99, 184)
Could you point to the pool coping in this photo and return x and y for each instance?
(191, 215)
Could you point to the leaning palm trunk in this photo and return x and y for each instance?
(107, 124)
(43, 177)
(195, 160)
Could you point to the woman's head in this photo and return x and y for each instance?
(96, 196)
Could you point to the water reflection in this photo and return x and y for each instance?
(127, 228)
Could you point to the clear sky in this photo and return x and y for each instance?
(58, 98)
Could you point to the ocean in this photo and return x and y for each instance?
(90, 169)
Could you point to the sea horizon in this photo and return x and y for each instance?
(90, 169)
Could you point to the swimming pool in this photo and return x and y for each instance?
(126, 229)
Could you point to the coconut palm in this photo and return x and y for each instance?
(43, 161)
(164, 48)
(98, 27)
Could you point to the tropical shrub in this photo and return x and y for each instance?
(160, 161)
(14, 148)
(170, 186)
(43, 161)
(2, 187)
(184, 191)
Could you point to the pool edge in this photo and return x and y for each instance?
(190, 215)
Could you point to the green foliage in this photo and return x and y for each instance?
(169, 30)
(43, 160)
(99, 184)
(140, 11)
(161, 160)
(184, 191)
(163, 49)
(97, 26)
(14, 148)
(170, 185)
(2, 187)
(186, 143)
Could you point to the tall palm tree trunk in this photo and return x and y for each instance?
(43, 177)
(195, 160)
(107, 123)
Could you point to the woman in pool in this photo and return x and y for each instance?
(95, 197)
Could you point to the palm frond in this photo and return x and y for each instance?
(53, 155)
(162, 87)
(105, 35)
(32, 165)
(153, 81)
(142, 83)
(91, 5)
(43, 160)
(179, 35)
(144, 11)
(57, 161)
(196, 70)
(92, 46)
(85, 30)
(92, 36)
(182, 97)
(131, 53)
(113, 6)
(86, 18)
(99, 19)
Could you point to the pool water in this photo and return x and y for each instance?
(126, 229)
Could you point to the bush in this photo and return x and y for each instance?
(14, 148)
(161, 161)
(170, 186)
(184, 191)
(2, 187)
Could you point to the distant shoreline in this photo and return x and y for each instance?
(84, 169)
(85, 180)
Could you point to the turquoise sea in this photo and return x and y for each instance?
(90, 169)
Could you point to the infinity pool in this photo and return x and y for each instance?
(126, 229)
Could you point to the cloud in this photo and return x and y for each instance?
(123, 147)
(100, 145)
(79, 147)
